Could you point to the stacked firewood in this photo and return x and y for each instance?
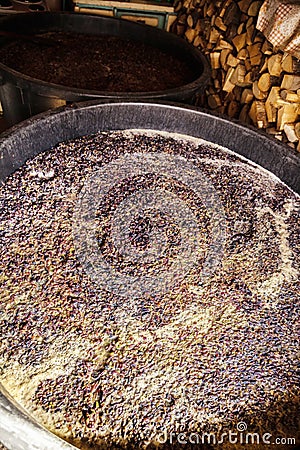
(250, 80)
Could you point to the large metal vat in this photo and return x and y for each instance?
(23, 96)
(17, 430)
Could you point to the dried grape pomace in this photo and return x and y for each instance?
(150, 286)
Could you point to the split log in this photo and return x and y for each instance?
(190, 34)
(220, 24)
(223, 58)
(254, 49)
(261, 115)
(225, 5)
(199, 42)
(232, 14)
(215, 60)
(239, 41)
(274, 65)
(232, 61)
(178, 5)
(244, 114)
(241, 28)
(250, 80)
(264, 82)
(291, 82)
(286, 114)
(214, 36)
(233, 109)
(270, 104)
(228, 85)
(290, 96)
(224, 44)
(267, 48)
(250, 34)
(289, 130)
(214, 101)
(238, 76)
(290, 64)
(242, 54)
(244, 5)
(258, 94)
(247, 96)
(254, 8)
(264, 66)
(297, 130)
(256, 60)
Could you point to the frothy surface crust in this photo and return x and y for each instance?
(200, 358)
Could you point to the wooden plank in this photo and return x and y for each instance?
(130, 5)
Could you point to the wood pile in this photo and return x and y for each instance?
(250, 80)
